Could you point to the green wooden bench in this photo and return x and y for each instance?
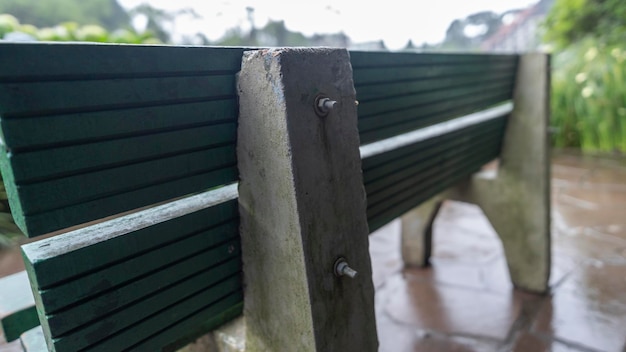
(95, 135)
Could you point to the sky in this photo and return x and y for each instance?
(393, 21)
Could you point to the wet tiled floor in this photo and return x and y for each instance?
(465, 302)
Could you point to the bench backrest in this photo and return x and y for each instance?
(402, 92)
(92, 131)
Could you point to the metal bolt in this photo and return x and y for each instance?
(323, 105)
(343, 269)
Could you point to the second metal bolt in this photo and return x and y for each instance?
(323, 105)
(342, 268)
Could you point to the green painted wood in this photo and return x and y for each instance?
(364, 59)
(131, 335)
(106, 253)
(406, 179)
(145, 317)
(429, 184)
(36, 133)
(445, 113)
(113, 293)
(399, 93)
(52, 194)
(190, 324)
(33, 340)
(54, 98)
(22, 62)
(221, 312)
(370, 92)
(71, 160)
(111, 128)
(196, 268)
(386, 175)
(430, 113)
(17, 306)
(379, 165)
(433, 96)
(77, 214)
(407, 73)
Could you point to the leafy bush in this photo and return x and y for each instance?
(589, 97)
(72, 31)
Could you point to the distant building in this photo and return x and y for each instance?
(523, 33)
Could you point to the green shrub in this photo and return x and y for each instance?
(589, 97)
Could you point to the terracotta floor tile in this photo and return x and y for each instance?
(532, 343)
(452, 310)
(578, 319)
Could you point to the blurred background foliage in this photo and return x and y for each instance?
(589, 74)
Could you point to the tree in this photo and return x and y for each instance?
(468, 33)
(158, 20)
(569, 21)
(106, 13)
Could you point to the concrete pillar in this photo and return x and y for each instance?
(417, 232)
(302, 204)
(516, 199)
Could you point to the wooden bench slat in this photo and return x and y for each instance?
(71, 160)
(386, 175)
(379, 91)
(434, 181)
(53, 194)
(71, 61)
(429, 114)
(434, 96)
(220, 312)
(116, 290)
(34, 133)
(380, 165)
(402, 73)
(120, 340)
(85, 212)
(47, 256)
(412, 177)
(37, 215)
(421, 117)
(54, 98)
(146, 292)
(17, 306)
(364, 59)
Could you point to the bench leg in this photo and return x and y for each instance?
(417, 232)
(516, 199)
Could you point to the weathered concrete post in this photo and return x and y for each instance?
(302, 204)
(516, 199)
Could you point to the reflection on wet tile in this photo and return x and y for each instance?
(532, 343)
(572, 318)
(452, 310)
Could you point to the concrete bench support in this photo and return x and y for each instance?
(516, 198)
(302, 204)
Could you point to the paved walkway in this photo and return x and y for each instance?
(465, 301)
